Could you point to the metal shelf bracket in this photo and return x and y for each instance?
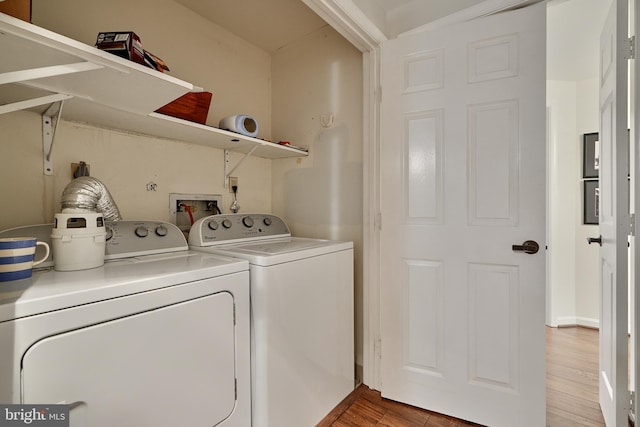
(227, 171)
(49, 127)
(41, 73)
(44, 72)
(35, 102)
(56, 100)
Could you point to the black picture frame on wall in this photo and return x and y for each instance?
(591, 200)
(590, 155)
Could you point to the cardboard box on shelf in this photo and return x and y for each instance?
(194, 106)
(20, 9)
(154, 62)
(125, 44)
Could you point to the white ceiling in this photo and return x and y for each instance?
(406, 15)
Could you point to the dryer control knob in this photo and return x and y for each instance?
(247, 221)
(213, 225)
(142, 232)
(161, 230)
(267, 221)
(226, 223)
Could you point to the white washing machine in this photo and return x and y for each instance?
(158, 336)
(301, 315)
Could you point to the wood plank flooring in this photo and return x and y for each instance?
(365, 407)
(572, 391)
(572, 378)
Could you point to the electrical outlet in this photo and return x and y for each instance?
(75, 166)
(233, 181)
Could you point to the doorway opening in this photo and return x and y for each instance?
(573, 290)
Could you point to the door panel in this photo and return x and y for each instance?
(614, 218)
(634, 165)
(463, 179)
(493, 164)
(423, 199)
(493, 319)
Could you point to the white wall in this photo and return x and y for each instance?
(563, 200)
(587, 269)
(573, 29)
(314, 79)
(573, 265)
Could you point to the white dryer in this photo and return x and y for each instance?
(302, 320)
(158, 336)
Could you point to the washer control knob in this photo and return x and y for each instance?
(267, 221)
(161, 230)
(247, 221)
(142, 231)
(109, 233)
(213, 225)
(226, 223)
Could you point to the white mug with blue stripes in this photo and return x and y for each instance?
(17, 257)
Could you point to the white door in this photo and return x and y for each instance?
(614, 217)
(463, 180)
(634, 181)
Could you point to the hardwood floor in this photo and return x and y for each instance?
(365, 407)
(572, 391)
(572, 378)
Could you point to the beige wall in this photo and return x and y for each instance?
(318, 76)
(125, 163)
(314, 79)
(196, 50)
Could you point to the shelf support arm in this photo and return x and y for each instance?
(35, 102)
(44, 72)
(40, 73)
(227, 171)
(49, 134)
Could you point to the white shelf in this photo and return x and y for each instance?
(108, 79)
(167, 127)
(106, 90)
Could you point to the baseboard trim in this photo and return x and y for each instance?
(586, 322)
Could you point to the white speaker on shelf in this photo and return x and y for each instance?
(240, 123)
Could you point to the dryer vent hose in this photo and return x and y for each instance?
(89, 194)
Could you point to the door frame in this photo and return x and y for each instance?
(348, 20)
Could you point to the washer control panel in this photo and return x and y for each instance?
(124, 238)
(232, 228)
(132, 238)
